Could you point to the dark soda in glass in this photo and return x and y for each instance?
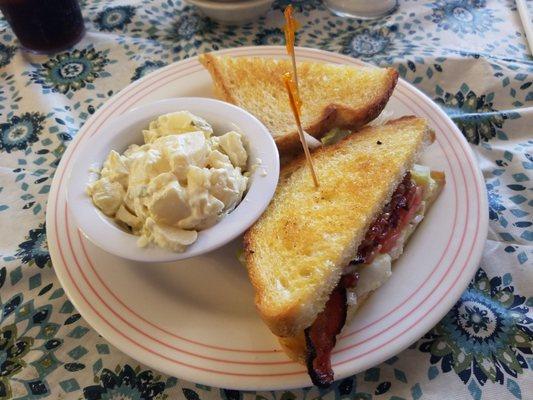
(44, 26)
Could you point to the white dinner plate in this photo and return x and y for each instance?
(195, 319)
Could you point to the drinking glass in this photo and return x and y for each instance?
(362, 9)
(44, 26)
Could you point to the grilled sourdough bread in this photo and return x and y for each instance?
(297, 251)
(295, 346)
(335, 96)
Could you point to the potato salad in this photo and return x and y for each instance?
(183, 179)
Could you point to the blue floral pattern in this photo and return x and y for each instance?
(190, 24)
(473, 114)
(6, 54)
(274, 36)
(21, 131)
(34, 250)
(146, 68)
(487, 334)
(28, 342)
(12, 351)
(495, 202)
(71, 71)
(114, 18)
(126, 384)
(467, 55)
(379, 45)
(463, 17)
(367, 44)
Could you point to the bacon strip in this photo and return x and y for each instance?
(320, 337)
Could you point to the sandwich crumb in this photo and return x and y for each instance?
(378, 142)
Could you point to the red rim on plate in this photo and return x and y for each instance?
(268, 368)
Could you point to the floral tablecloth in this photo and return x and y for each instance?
(470, 56)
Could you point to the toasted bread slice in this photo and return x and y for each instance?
(296, 251)
(295, 346)
(334, 95)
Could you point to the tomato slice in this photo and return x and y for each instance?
(383, 234)
(405, 219)
(390, 242)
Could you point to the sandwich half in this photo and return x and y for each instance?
(336, 96)
(316, 254)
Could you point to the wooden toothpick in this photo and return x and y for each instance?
(291, 25)
(296, 104)
(291, 84)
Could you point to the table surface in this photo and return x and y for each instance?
(470, 56)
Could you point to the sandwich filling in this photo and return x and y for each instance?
(371, 267)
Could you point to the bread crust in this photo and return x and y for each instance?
(333, 115)
(338, 116)
(221, 91)
(299, 160)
